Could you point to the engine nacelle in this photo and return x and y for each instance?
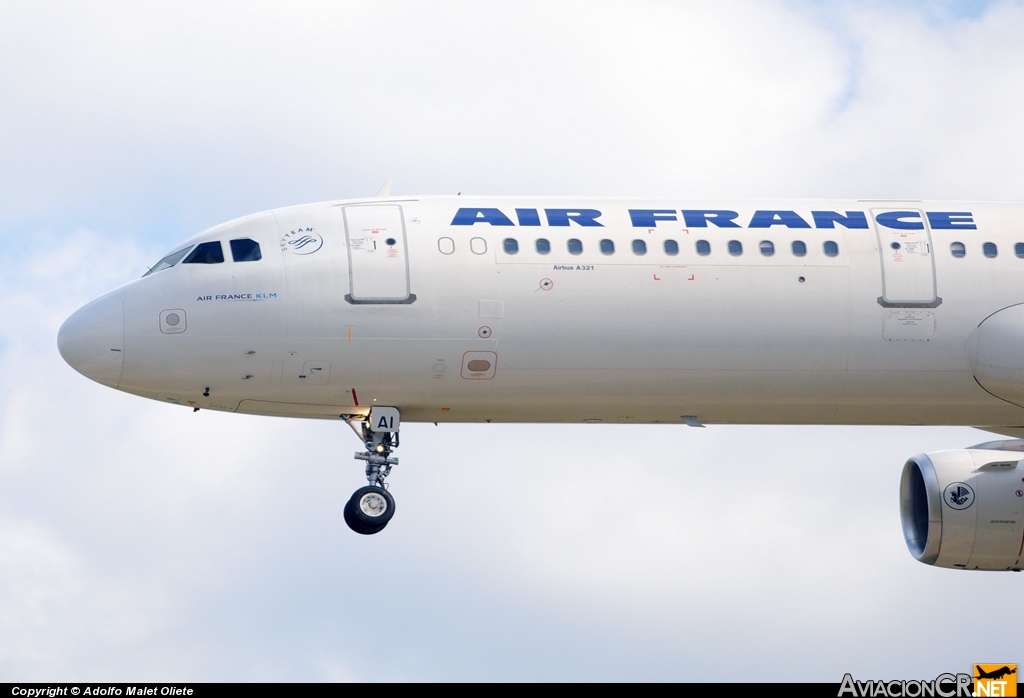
(965, 508)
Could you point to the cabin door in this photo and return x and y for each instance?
(908, 259)
(378, 256)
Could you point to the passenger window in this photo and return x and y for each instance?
(831, 248)
(206, 253)
(510, 245)
(671, 247)
(767, 248)
(703, 248)
(639, 247)
(989, 248)
(799, 248)
(574, 246)
(445, 245)
(735, 248)
(957, 249)
(607, 247)
(1018, 249)
(543, 246)
(168, 261)
(477, 245)
(245, 250)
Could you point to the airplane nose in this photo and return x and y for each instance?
(92, 340)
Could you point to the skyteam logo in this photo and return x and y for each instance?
(302, 241)
(958, 495)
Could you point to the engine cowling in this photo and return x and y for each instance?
(965, 509)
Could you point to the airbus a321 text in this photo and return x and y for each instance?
(472, 309)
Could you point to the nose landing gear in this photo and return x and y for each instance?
(370, 508)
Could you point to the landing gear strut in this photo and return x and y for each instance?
(370, 508)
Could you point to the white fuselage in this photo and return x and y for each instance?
(419, 303)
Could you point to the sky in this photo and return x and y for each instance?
(141, 541)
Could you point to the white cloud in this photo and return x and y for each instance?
(142, 541)
(56, 609)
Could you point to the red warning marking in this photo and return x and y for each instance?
(656, 278)
(691, 278)
(355, 398)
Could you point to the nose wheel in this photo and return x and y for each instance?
(370, 508)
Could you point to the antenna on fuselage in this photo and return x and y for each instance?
(385, 190)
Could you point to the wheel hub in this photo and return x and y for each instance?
(373, 504)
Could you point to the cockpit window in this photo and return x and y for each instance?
(206, 253)
(245, 250)
(168, 261)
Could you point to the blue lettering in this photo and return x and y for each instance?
(828, 219)
(952, 220)
(699, 219)
(581, 216)
(469, 216)
(528, 216)
(649, 217)
(766, 219)
(894, 219)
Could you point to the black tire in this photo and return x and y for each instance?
(365, 511)
(359, 526)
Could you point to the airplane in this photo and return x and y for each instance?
(996, 674)
(385, 309)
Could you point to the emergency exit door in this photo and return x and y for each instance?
(908, 258)
(378, 261)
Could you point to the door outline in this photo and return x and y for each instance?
(350, 296)
(883, 245)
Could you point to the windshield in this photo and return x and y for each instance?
(168, 261)
(206, 253)
(245, 250)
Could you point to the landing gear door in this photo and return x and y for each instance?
(385, 419)
(908, 258)
(378, 255)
